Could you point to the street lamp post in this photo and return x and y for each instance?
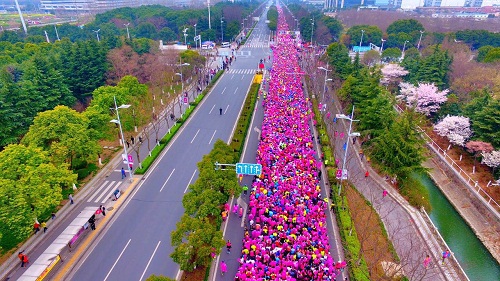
(222, 29)
(57, 33)
(404, 47)
(97, 33)
(420, 39)
(312, 30)
(209, 21)
(382, 47)
(195, 42)
(349, 134)
(181, 75)
(185, 35)
(128, 34)
(326, 75)
(117, 121)
(362, 34)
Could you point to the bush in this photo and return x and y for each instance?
(414, 191)
(85, 172)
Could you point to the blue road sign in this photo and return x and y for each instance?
(248, 169)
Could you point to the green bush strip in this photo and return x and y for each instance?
(244, 120)
(146, 163)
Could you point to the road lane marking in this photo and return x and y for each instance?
(237, 87)
(223, 91)
(212, 137)
(150, 259)
(185, 190)
(232, 77)
(242, 78)
(211, 109)
(223, 235)
(109, 194)
(227, 107)
(195, 135)
(167, 180)
(105, 278)
(97, 191)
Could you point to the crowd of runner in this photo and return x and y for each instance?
(287, 238)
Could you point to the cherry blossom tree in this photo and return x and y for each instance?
(491, 159)
(455, 128)
(391, 72)
(426, 98)
(476, 147)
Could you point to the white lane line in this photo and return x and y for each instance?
(237, 87)
(211, 109)
(195, 135)
(150, 259)
(223, 91)
(178, 275)
(105, 190)
(105, 278)
(167, 180)
(109, 194)
(212, 137)
(97, 191)
(242, 77)
(227, 107)
(223, 235)
(185, 190)
(232, 77)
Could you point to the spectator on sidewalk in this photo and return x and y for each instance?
(44, 226)
(124, 175)
(71, 199)
(36, 227)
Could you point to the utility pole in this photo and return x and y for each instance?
(209, 22)
(222, 29)
(128, 34)
(21, 16)
(420, 39)
(57, 33)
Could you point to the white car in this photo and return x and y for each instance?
(226, 45)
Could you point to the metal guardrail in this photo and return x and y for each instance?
(436, 232)
(480, 193)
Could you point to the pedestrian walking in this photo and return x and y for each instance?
(220, 111)
(123, 173)
(446, 254)
(223, 268)
(103, 210)
(140, 139)
(36, 227)
(21, 258)
(228, 246)
(53, 216)
(132, 139)
(71, 199)
(128, 144)
(25, 260)
(384, 193)
(427, 261)
(44, 226)
(367, 174)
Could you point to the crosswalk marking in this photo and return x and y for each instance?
(241, 71)
(257, 44)
(97, 191)
(110, 192)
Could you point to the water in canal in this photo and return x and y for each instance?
(474, 258)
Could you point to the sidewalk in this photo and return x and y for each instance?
(36, 245)
(411, 236)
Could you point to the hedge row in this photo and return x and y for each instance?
(244, 120)
(148, 161)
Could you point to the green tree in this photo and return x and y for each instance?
(399, 149)
(372, 34)
(30, 187)
(333, 25)
(486, 122)
(482, 52)
(338, 55)
(391, 54)
(492, 56)
(431, 69)
(146, 30)
(194, 239)
(407, 26)
(64, 133)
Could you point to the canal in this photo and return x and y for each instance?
(477, 262)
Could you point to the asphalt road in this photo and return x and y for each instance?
(137, 242)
